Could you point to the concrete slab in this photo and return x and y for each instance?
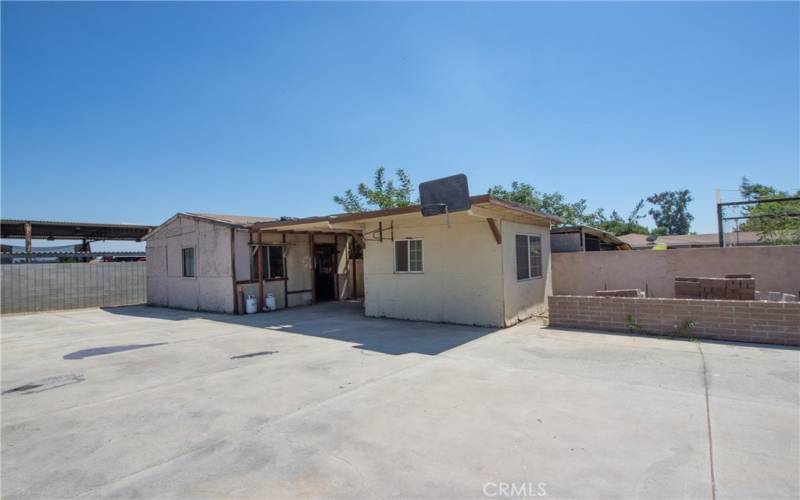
(322, 402)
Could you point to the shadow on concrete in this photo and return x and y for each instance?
(343, 321)
(102, 351)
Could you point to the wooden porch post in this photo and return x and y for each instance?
(260, 274)
(336, 265)
(285, 274)
(313, 280)
(233, 272)
(28, 242)
(353, 262)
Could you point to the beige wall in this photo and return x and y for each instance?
(524, 298)
(776, 268)
(211, 289)
(462, 278)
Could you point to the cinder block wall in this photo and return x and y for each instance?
(45, 287)
(737, 320)
(775, 268)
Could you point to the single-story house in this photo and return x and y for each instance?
(707, 240)
(489, 265)
(584, 239)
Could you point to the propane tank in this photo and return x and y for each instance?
(270, 302)
(250, 304)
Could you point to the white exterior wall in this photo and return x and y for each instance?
(212, 288)
(462, 278)
(525, 298)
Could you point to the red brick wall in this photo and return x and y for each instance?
(738, 320)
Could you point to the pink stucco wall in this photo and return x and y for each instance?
(776, 268)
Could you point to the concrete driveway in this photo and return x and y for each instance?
(322, 402)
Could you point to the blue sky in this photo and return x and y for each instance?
(118, 112)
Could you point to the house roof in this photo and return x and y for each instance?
(235, 221)
(604, 235)
(639, 241)
(482, 201)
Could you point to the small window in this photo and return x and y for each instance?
(188, 262)
(274, 269)
(272, 258)
(408, 256)
(529, 256)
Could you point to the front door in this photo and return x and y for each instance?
(325, 272)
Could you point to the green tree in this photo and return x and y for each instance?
(551, 203)
(777, 223)
(618, 226)
(671, 214)
(383, 194)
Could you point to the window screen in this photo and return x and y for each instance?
(272, 262)
(415, 256)
(401, 256)
(274, 255)
(529, 256)
(188, 262)
(408, 256)
(536, 256)
(523, 271)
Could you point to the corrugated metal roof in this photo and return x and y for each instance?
(67, 223)
(236, 220)
(692, 240)
(605, 235)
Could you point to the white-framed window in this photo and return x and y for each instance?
(529, 256)
(272, 256)
(408, 256)
(187, 259)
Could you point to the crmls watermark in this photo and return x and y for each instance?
(514, 490)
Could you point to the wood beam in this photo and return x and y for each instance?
(313, 263)
(260, 257)
(285, 275)
(345, 227)
(336, 265)
(233, 272)
(28, 239)
(498, 237)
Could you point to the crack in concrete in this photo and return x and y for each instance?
(708, 424)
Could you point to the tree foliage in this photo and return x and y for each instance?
(551, 203)
(573, 213)
(670, 212)
(383, 194)
(615, 224)
(777, 223)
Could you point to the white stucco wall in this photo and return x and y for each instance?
(212, 288)
(524, 298)
(462, 278)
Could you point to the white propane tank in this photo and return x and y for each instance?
(270, 302)
(250, 304)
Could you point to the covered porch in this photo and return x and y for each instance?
(301, 264)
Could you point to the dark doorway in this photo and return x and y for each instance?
(325, 272)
